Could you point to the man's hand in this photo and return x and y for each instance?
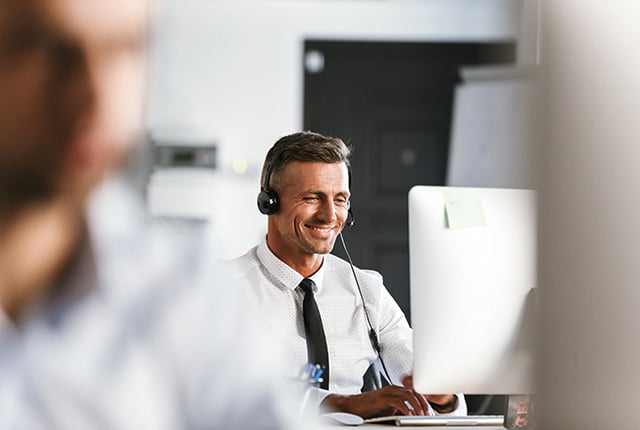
(389, 400)
(442, 403)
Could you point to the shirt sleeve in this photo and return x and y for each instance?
(392, 328)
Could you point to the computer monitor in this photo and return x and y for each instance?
(472, 278)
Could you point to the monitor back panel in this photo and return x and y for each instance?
(472, 296)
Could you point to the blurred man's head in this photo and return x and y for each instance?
(71, 92)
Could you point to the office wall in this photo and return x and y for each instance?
(231, 71)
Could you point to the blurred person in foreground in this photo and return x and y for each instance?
(104, 321)
(368, 358)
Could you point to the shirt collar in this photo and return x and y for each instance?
(283, 273)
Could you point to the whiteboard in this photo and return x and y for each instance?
(491, 135)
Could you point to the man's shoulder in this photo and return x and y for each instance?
(144, 261)
(335, 263)
(244, 263)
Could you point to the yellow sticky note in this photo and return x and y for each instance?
(463, 210)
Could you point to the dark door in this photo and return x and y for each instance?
(392, 102)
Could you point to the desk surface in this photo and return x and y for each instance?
(386, 426)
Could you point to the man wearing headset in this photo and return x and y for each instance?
(305, 193)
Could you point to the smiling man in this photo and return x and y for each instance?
(335, 316)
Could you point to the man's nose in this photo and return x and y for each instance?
(327, 212)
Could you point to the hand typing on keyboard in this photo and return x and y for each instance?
(441, 403)
(389, 400)
(386, 401)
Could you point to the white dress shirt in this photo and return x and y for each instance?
(143, 332)
(342, 312)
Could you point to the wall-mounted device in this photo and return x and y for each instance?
(167, 154)
(182, 183)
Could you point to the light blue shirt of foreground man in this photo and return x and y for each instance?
(305, 193)
(105, 322)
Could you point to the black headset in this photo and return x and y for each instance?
(268, 203)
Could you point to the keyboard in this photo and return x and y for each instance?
(440, 420)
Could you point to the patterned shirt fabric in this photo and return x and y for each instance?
(343, 316)
(143, 332)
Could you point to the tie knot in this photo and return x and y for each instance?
(307, 285)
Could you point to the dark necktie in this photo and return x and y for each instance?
(316, 341)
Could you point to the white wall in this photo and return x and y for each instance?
(232, 70)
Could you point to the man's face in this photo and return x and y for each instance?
(313, 200)
(71, 91)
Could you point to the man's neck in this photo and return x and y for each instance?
(35, 245)
(304, 264)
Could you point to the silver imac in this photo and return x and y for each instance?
(472, 278)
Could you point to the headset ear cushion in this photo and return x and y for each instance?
(267, 202)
